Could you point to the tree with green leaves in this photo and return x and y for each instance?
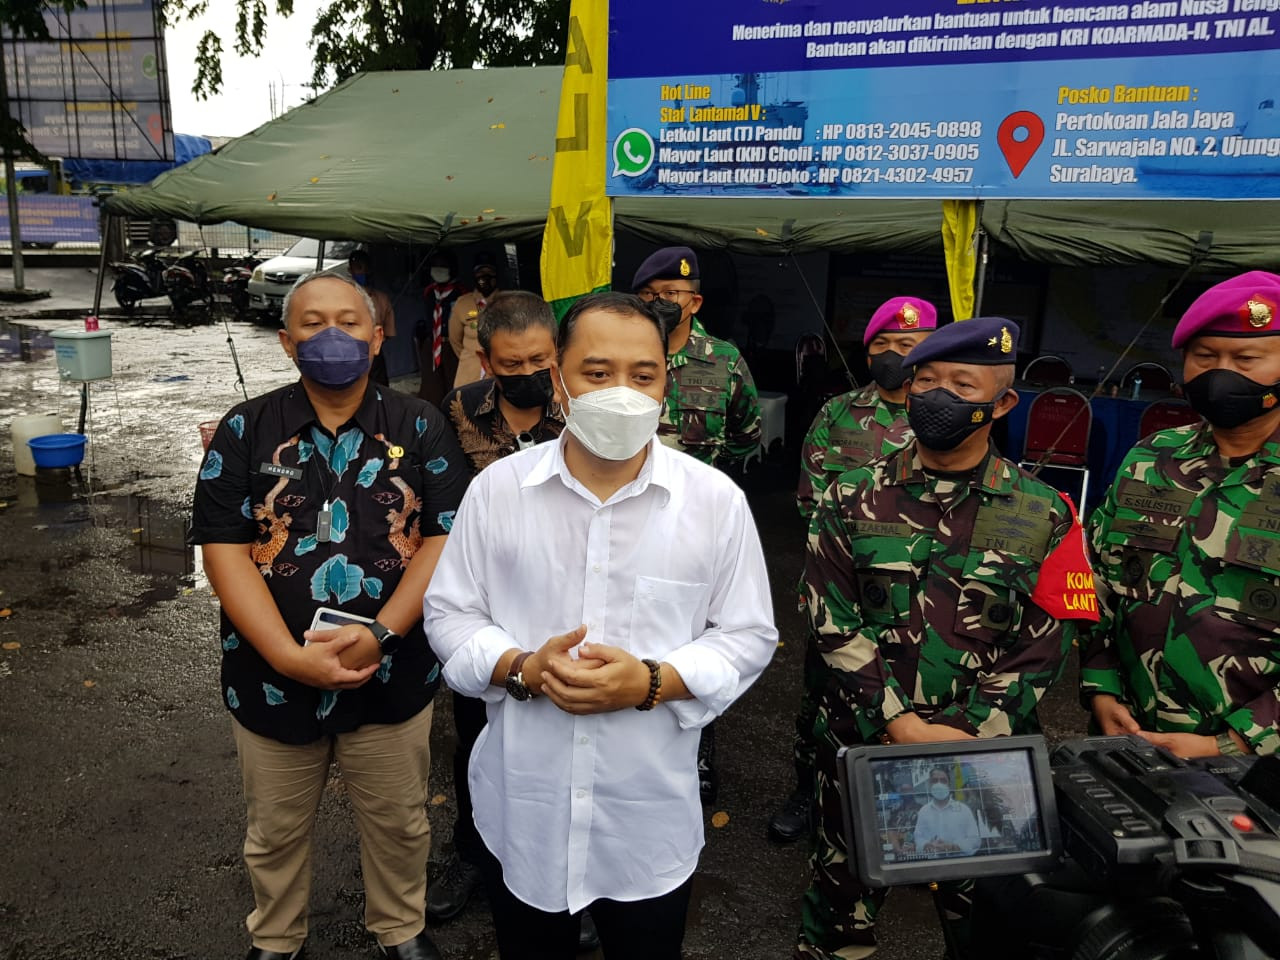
(351, 36)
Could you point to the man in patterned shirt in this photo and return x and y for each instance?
(941, 584)
(850, 430)
(1187, 547)
(330, 492)
(512, 408)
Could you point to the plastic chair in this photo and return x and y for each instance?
(1164, 414)
(1058, 427)
(773, 424)
(1048, 371)
(1155, 376)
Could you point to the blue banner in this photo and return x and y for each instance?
(51, 218)
(1160, 99)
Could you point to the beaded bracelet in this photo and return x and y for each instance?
(655, 685)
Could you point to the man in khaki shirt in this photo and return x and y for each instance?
(464, 318)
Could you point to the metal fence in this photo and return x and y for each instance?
(231, 240)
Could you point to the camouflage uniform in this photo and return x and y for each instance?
(712, 410)
(918, 590)
(849, 431)
(1187, 552)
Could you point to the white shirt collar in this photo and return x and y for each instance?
(656, 470)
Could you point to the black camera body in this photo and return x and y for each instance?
(1164, 858)
(1108, 848)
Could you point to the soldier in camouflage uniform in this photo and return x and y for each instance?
(938, 583)
(711, 410)
(850, 430)
(1187, 547)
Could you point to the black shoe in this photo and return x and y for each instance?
(420, 947)
(588, 939)
(791, 822)
(708, 779)
(257, 953)
(452, 890)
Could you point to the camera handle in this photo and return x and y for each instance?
(955, 951)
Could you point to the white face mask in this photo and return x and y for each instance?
(440, 274)
(940, 791)
(614, 423)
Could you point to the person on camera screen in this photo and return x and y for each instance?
(1187, 547)
(941, 584)
(945, 827)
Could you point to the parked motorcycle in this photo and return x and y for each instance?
(139, 278)
(187, 283)
(235, 283)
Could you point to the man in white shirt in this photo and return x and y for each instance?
(643, 568)
(945, 827)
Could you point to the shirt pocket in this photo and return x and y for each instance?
(1247, 588)
(666, 615)
(1137, 559)
(883, 572)
(995, 589)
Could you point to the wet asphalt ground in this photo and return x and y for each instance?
(121, 816)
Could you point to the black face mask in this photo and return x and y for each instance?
(942, 421)
(526, 390)
(668, 314)
(887, 369)
(1228, 399)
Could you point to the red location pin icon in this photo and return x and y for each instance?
(1019, 151)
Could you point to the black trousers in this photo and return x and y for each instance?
(631, 930)
(469, 718)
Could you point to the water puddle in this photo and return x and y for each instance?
(23, 343)
(59, 503)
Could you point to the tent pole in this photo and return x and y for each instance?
(320, 257)
(102, 263)
(980, 285)
(11, 189)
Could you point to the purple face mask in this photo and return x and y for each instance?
(333, 358)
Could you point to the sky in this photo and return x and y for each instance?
(245, 100)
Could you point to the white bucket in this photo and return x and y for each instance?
(24, 428)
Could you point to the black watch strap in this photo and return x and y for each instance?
(388, 639)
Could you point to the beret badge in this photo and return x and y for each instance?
(1258, 312)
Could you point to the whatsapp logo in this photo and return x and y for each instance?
(632, 153)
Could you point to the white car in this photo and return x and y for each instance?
(273, 279)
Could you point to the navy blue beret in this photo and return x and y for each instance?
(983, 340)
(669, 263)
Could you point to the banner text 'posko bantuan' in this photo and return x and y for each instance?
(928, 98)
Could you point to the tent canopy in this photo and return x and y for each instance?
(459, 156)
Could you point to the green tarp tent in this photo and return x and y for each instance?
(460, 156)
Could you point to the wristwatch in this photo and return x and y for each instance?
(515, 684)
(388, 640)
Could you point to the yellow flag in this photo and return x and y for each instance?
(959, 240)
(577, 244)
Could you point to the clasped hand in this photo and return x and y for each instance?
(340, 659)
(1116, 720)
(601, 680)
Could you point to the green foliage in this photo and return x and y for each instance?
(352, 36)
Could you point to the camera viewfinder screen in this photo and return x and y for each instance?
(946, 807)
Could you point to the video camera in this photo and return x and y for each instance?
(1112, 848)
